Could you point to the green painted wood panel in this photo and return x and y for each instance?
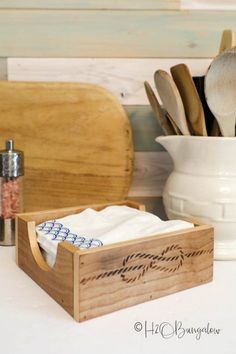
(90, 4)
(145, 128)
(134, 34)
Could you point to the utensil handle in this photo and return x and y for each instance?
(227, 40)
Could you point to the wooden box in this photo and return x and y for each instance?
(94, 282)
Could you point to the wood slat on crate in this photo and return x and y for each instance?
(46, 277)
(128, 274)
(140, 33)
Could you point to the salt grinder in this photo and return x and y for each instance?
(11, 170)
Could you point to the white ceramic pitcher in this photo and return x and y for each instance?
(203, 185)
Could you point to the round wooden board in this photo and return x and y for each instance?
(77, 142)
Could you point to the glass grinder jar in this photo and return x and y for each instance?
(11, 170)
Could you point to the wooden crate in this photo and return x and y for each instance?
(94, 282)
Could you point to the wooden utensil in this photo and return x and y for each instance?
(174, 126)
(171, 99)
(76, 139)
(227, 41)
(220, 90)
(191, 101)
(162, 119)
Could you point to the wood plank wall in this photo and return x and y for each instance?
(117, 44)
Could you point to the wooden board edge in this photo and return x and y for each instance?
(76, 289)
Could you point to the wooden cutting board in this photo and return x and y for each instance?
(76, 139)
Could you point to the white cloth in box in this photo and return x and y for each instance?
(92, 228)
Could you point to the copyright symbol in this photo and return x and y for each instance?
(138, 326)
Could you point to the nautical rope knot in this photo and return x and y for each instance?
(136, 265)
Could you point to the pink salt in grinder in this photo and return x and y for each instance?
(11, 170)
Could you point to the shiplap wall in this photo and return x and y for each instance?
(117, 44)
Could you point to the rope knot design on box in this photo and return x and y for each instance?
(61, 233)
(170, 260)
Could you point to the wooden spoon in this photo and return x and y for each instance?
(227, 41)
(176, 129)
(220, 90)
(171, 99)
(162, 119)
(191, 101)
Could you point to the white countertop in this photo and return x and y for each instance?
(32, 322)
